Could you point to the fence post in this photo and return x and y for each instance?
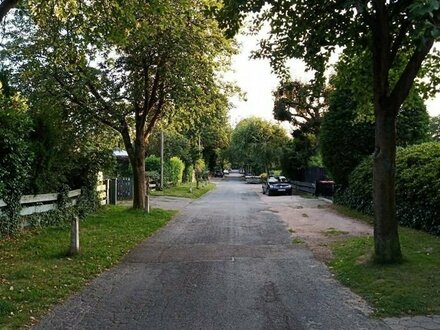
(113, 191)
(74, 236)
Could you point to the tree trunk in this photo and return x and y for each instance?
(138, 165)
(386, 237)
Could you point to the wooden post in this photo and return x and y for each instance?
(74, 236)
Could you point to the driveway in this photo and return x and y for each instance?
(225, 262)
(313, 222)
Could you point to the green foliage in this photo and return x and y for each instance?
(344, 140)
(16, 156)
(435, 128)
(175, 144)
(173, 169)
(296, 155)
(188, 173)
(176, 170)
(347, 132)
(302, 105)
(199, 168)
(152, 163)
(257, 144)
(123, 67)
(417, 187)
(412, 122)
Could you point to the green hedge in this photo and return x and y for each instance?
(417, 187)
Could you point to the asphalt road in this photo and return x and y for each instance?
(226, 262)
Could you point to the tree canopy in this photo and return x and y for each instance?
(257, 145)
(122, 66)
(398, 35)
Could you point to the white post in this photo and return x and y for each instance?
(161, 160)
(74, 236)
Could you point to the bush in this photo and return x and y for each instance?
(16, 157)
(152, 163)
(176, 168)
(344, 141)
(188, 173)
(417, 187)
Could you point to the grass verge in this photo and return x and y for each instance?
(352, 213)
(36, 271)
(183, 190)
(409, 288)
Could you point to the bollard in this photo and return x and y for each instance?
(147, 203)
(74, 236)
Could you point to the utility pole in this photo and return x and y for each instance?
(161, 161)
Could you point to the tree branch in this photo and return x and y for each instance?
(157, 113)
(398, 41)
(403, 85)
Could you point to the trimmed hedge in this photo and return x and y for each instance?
(417, 187)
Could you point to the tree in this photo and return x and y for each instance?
(301, 104)
(435, 128)
(347, 132)
(393, 31)
(123, 67)
(257, 144)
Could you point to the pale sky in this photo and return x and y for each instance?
(255, 79)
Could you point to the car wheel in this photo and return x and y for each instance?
(269, 193)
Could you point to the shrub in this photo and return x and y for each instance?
(188, 173)
(417, 187)
(16, 157)
(176, 168)
(152, 163)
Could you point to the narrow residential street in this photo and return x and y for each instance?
(227, 261)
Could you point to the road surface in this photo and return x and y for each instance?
(225, 262)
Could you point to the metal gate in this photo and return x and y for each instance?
(124, 189)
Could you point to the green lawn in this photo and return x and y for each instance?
(36, 271)
(183, 190)
(409, 288)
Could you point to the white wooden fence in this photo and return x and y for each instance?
(32, 204)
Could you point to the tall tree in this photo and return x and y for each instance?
(311, 30)
(123, 66)
(257, 144)
(301, 104)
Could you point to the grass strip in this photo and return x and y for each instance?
(409, 288)
(183, 190)
(36, 271)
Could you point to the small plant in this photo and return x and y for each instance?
(333, 232)
(298, 241)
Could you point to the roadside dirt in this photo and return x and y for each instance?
(320, 227)
(313, 222)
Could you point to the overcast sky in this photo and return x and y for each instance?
(255, 79)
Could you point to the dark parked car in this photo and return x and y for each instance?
(218, 174)
(277, 185)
